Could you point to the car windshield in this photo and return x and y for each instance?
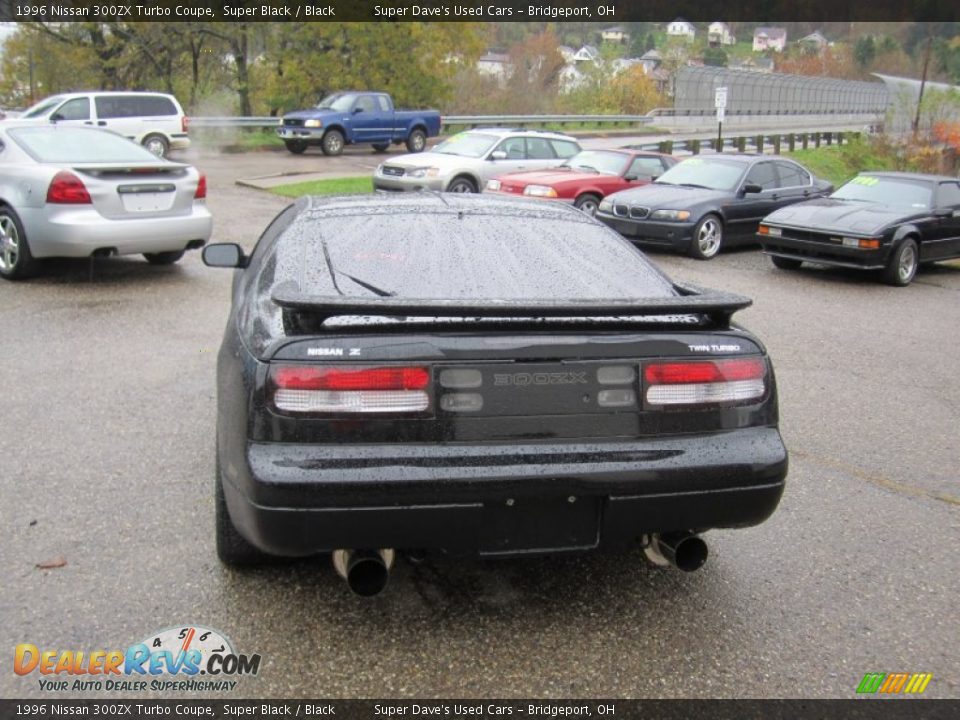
(898, 192)
(59, 144)
(710, 173)
(601, 161)
(467, 144)
(43, 107)
(341, 102)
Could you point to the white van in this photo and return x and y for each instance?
(154, 120)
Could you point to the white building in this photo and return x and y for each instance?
(719, 34)
(681, 28)
(769, 38)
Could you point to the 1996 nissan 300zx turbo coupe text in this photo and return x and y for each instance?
(479, 376)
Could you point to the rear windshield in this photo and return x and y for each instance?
(470, 255)
(78, 145)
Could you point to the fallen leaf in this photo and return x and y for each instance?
(58, 562)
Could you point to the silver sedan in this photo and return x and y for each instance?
(81, 192)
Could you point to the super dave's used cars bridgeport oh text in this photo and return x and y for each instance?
(483, 376)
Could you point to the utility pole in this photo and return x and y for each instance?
(923, 79)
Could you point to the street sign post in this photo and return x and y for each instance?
(720, 103)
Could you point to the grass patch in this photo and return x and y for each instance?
(331, 186)
(839, 163)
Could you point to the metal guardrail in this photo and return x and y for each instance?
(758, 143)
(447, 120)
(681, 112)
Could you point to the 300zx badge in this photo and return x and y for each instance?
(541, 378)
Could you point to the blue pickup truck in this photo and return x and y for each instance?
(346, 118)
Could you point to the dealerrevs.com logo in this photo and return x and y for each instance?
(186, 658)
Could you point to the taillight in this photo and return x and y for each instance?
(703, 382)
(201, 192)
(312, 389)
(184, 124)
(67, 189)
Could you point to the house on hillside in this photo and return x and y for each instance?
(719, 34)
(588, 53)
(494, 64)
(651, 60)
(815, 42)
(615, 34)
(567, 53)
(681, 28)
(769, 38)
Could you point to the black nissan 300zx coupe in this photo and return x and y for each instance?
(479, 376)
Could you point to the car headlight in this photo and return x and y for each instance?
(540, 191)
(313, 123)
(605, 206)
(423, 172)
(493, 184)
(675, 215)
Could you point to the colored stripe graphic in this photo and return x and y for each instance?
(894, 683)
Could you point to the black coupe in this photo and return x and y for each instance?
(708, 202)
(883, 221)
(480, 376)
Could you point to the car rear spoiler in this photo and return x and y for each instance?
(717, 306)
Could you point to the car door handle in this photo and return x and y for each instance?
(101, 123)
(774, 197)
(88, 122)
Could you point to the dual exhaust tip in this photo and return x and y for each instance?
(367, 571)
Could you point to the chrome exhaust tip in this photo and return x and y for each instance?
(684, 551)
(367, 572)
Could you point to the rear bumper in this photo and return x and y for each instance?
(78, 231)
(826, 253)
(494, 499)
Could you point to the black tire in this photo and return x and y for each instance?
(462, 184)
(232, 547)
(297, 147)
(380, 147)
(157, 144)
(903, 263)
(707, 237)
(416, 141)
(16, 260)
(164, 258)
(588, 203)
(332, 143)
(785, 263)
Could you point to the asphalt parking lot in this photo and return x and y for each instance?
(106, 451)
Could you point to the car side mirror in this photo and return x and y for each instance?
(55, 117)
(357, 110)
(226, 255)
(629, 178)
(498, 155)
(750, 188)
(944, 212)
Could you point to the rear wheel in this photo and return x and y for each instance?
(785, 263)
(707, 238)
(332, 143)
(16, 262)
(381, 147)
(232, 547)
(903, 263)
(164, 258)
(588, 203)
(295, 146)
(157, 144)
(462, 185)
(416, 141)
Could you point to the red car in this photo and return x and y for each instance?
(586, 178)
